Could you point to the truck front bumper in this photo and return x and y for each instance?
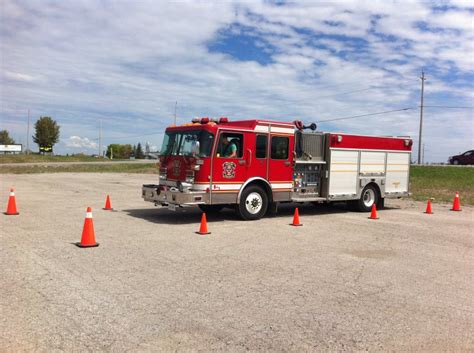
(173, 196)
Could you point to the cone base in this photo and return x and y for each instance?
(203, 233)
(11, 214)
(455, 210)
(428, 212)
(108, 209)
(373, 217)
(87, 246)
(295, 225)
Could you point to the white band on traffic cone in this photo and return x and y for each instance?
(88, 214)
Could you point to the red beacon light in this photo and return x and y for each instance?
(204, 120)
(223, 120)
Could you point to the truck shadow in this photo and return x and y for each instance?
(193, 214)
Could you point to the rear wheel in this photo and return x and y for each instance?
(253, 203)
(211, 208)
(368, 198)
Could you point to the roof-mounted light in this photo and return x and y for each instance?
(223, 120)
(204, 120)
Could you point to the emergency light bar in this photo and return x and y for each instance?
(206, 120)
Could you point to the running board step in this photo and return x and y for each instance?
(308, 199)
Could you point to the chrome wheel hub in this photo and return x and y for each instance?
(253, 203)
(368, 198)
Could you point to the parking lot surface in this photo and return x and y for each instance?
(340, 282)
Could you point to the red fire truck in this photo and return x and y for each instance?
(254, 165)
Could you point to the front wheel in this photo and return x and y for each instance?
(456, 162)
(368, 198)
(253, 203)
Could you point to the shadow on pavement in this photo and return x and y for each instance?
(193, 214)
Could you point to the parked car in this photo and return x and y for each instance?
(465, 158)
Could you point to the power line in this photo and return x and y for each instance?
(446, 106)
(364, 115)
(311, 100)
(320, 121)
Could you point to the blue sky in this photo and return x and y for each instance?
(126, 63)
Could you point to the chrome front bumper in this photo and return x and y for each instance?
(152, 193)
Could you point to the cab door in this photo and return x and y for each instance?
(229, 172)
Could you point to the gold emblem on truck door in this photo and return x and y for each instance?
(228, 170)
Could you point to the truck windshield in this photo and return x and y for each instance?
(187, 143)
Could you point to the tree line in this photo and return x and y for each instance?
(125, 151)
(47, 135)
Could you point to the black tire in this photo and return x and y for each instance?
(253, 197)
(456, 162)
(368, 197)
(211, 208)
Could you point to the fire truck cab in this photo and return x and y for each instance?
(253, 165)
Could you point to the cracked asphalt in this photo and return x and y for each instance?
(341, 282)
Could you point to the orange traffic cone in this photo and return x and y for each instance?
(296, 218)
(373, 213)
(428, 207)
(11, 207)
(203, 229)
(456, 203)
(88, 234)
(108, 205)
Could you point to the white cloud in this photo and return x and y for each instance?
(80, 142)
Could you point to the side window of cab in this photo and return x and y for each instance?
(230, 145)
(279, 147)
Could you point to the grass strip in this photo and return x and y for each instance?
(82, 168)
(441, 183)
(37, 158)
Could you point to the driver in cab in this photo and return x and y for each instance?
(229, 149)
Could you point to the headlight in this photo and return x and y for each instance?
(163, 173)
(190, 176)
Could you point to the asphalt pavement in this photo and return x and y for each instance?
(341, 282)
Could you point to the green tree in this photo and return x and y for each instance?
(5, 138)
(46, 132)
(139, 152)
(118, 151)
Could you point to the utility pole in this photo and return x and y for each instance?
(423, 157)
(100, 138)
(421, 115)
(175, 107)
(28, 134)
